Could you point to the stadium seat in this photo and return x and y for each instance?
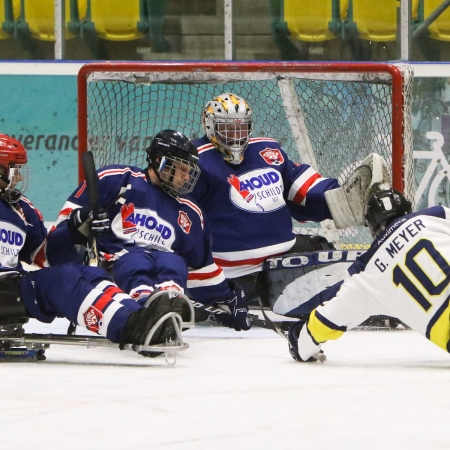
(439, 29)
(374, 20)
(116, 20)
(311, 20)
(120, 20)
(39, 16)
(9, 14)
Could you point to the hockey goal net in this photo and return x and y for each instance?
(328, 115)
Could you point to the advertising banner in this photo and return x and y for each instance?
(40, 110)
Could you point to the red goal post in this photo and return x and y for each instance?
(328, 115)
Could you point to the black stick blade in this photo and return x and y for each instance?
(91, 179)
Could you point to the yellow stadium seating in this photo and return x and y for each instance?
(9, 12)
(375, 20)
(313, 20)
(116, 20)
(40, 17)
(440, 28)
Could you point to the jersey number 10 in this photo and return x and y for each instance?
(420, 276)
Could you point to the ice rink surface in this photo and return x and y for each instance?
(230, 390)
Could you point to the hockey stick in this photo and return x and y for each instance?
(91, 255)
(272, 325)
(280, 327)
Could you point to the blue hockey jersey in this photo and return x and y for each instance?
(142, 215)
(85, 295)
(250, 206)
(22, 235)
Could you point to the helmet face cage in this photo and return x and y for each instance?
(384, 207)
(178, 176)
(18, 176)
(174, 159)
(13, 159)
(227, 121)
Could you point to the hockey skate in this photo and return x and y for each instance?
(156, 328)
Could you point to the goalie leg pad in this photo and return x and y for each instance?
(348, 202)
(295, 283)
(296, 291)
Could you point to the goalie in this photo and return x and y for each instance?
(251, 190)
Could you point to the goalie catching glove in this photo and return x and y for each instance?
(236, 315)
(84, 222)
(348, 202)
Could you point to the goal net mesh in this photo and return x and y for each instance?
(331, 121)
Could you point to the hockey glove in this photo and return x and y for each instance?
(236, 308)
(84, 222)
(294, 333)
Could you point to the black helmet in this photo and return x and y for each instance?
(384, 207)
(171, 154)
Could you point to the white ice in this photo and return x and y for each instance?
(231, 391)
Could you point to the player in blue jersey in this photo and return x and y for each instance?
(158, 237)
(85, 295)
(405, 274)
(250, 190)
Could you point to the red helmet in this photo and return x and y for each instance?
(14, 158)
(11, 151)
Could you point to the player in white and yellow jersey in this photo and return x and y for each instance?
(405, 274)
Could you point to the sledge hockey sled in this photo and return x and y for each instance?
(16, 344)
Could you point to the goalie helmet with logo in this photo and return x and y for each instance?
(227, 121)
(174, 159)
(14, 172)
(384, 207)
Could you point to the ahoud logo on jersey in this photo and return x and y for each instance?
(127, 213)
(259, 190)
(143, 227)
(12, 239)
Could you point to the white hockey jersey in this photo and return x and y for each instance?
(405, 274)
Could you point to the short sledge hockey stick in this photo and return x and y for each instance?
(91, 255)
(91, 258)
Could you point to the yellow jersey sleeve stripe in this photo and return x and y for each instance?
(321, 329)
(438, 330)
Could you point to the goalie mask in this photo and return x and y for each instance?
(15, 174)
(227, 121)
(174, 158)
(384, 207)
